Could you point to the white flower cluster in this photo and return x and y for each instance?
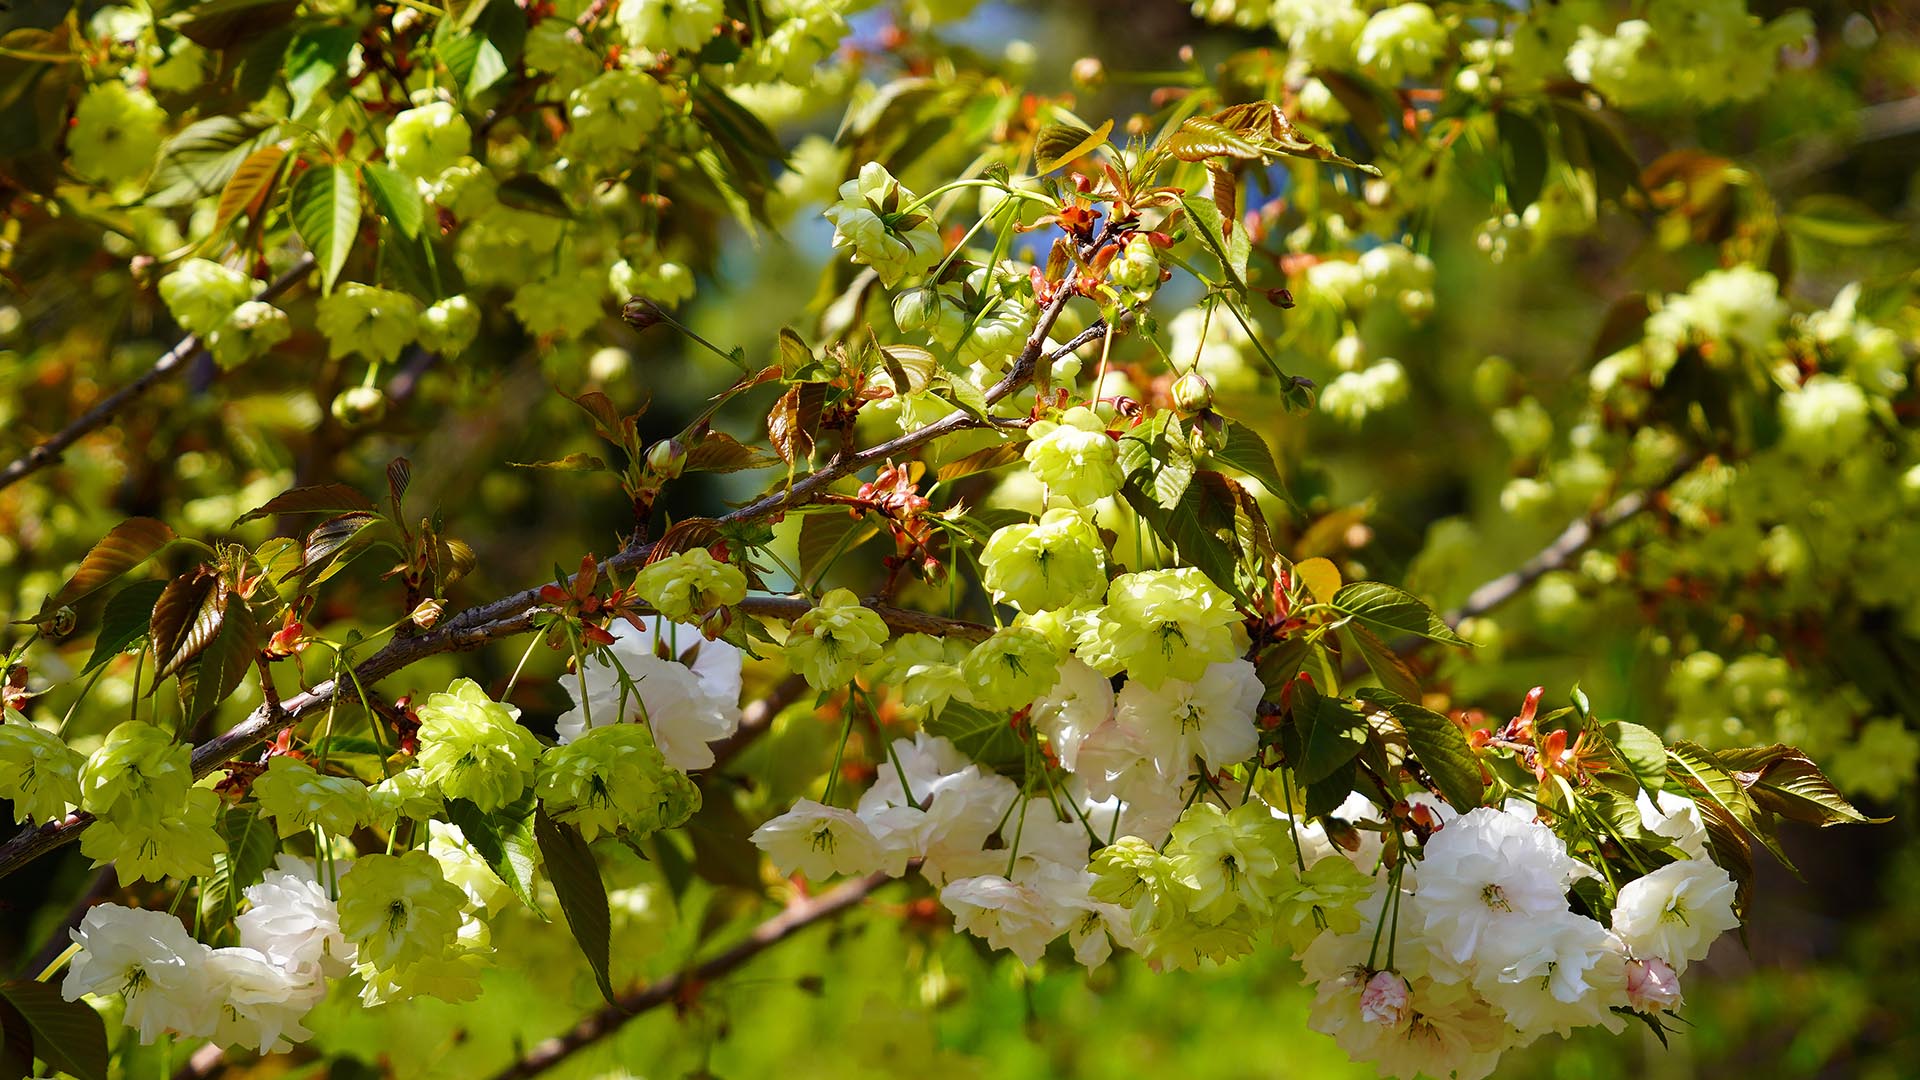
(688, 705)
(253, 995)
(1485, 953)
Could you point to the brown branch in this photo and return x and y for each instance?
(170, 361)
(608, 1019)
(1574, 539)
(515, 614)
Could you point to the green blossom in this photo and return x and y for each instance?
(473, 748)
(116, 132)
(448, 326)
(363, 319)
(610, 117)
(1056, 562)
(686, 585)
(299, 797)
(147, 840)
(829, 643)
(424, 141)
(253, 328)
(1075, 457)
(405, 794)
(1010, 669)
(202, 294)
(139, 769)
(925, 671)
(1160, 624)
(39, 774)
(668, 25)
(612, 779)
(399, 909)
(1230, 859)
(871, 224)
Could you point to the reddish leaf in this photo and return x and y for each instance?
(131, 543)
(185, 618)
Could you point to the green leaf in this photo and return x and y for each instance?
(124, 621)
(1523, 156)
(1201, 528)
(185, 618)
(315, 58)
(1441, 748)
(505, 840)
(1231, 252)
(1387, 666)
(203, 157)
(1396, 610)
(582, 894)
(395, 197)
(1059, 144)
(225, 660)
(1325, 734)
(1642, 751)
(131, 543)
(984, 737)
(68, 1035)
(325, 206)
(1246, 451)
(311, 499)
(250, 851)
(1784, 780)
(332, 543)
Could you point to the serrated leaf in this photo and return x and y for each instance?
(984, 737)
(1784, 780)
(68, 1035)
(1389, 667)
(129, 544)
(825, 537)
(1246, 451)
(911, 367)
(325, 207)
(1325, 795)
(200, 160)
(332, 536)
(1231, 252)
(607, 421)
(1642, 751)
(1711, 776)
(1200, 138)
(124, 621)
(581, 892)
(247, 188)
(1059, 144)
(794, 419)
(1201, 528)
(316, 56)
(311, 499)
(504, 839)
(796, 356)
(395, 197)
(985, 459)
(225, 660)
(1324, 735)
(185, 618)
(1387, 608)
(1441, 748)
(722, 453)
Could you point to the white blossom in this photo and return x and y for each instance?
(292, 920)
(148, 957)
(1676, 912)
(1486, 873)
(687, 706)
(819, 841)
(1211, 719)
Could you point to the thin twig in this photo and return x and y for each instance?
(1574, 539)
(608, 1019)
(172, 360)
(515, 614)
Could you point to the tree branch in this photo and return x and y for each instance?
(607, 1020)
(1574, 539)
(170, 361)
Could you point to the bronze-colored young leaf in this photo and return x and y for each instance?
(129, 544)
(1060, 144)
(185, 618)
(1784, 780)
(329, 498)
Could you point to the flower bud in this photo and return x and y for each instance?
(916, 309)
(428, 613)
(60, 623)
(1192, 393)
(359, 406)
(667, 458)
